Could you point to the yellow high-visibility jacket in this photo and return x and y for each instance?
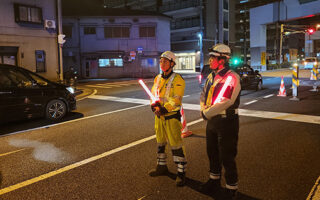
(170, 92)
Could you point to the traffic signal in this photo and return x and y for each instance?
(311, 31)
(235, 61)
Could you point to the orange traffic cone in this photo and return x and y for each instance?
(282, 90)
(184, 131)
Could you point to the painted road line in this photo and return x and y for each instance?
(315, 192)
(186, 96)
(8, 153)
(270, 95)
(97, 86)
(186, 106)
(250, 102)
(75, 120)
(242, 112)
(93, 93)
(195, 107)
(80, 163)
(280, 116)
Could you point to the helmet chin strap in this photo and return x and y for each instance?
(169, 68)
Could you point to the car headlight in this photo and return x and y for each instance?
(70, 89)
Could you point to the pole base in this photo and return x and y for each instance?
(314, 89)
(294, 99)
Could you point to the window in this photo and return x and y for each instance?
(29, 14)
(305, 1)
(40, 81)
(145, 31)
(89, 30)
(19, 79)
(225, 20)
(226, 4)
(116, 32)
(67, 30)
(149, 62)
(40, 61)
(5, 82)
(111, 62)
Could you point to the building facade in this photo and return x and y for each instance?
(28, 35)
(196, 25)
(115, 43)
(295, 16)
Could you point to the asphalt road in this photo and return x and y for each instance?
(105, 149)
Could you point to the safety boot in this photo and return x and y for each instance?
(160, 170)
(230, 194)
(211, 186)
(181, 179)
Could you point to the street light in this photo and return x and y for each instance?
(201, 53)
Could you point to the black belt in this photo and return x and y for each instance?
(177, 116)
(229, 114)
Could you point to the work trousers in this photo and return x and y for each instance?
(170, 131)
(222, 141)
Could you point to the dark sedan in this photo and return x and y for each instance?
(25, 95)
(249, 79)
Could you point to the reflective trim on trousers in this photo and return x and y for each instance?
(178, 159)
(182, 167)
(161, 159)
(176, 147)
(215, 176)
(232, 186)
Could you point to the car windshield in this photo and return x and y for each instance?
(310, 60)
(40, 81)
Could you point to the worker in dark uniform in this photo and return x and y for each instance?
(219, 104)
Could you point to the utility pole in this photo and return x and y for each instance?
(201, 36)
(59, 13)
(245, 36)
(281, 38)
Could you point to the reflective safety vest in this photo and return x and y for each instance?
(170, 91)
(211, 90)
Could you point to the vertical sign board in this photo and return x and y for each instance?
(263, 58)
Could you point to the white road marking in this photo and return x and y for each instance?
(186, 96)
(75, 120)
(80, 163)
(196, 107)
(250, 102)
(270, 95)
(243, 112)
(315, 192)
(43, 151)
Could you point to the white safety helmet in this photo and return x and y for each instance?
(220, 50)
(169, 55)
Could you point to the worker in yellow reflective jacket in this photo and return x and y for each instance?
(168, 87)
(219, 104)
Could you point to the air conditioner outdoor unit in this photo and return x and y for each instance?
(49, 24)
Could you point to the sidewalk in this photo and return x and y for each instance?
(303, 73)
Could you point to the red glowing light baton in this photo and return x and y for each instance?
(153, 98)
(223, 90)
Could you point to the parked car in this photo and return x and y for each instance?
(309, 62)
(249, 79)
(203, 75)
(25, 95)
